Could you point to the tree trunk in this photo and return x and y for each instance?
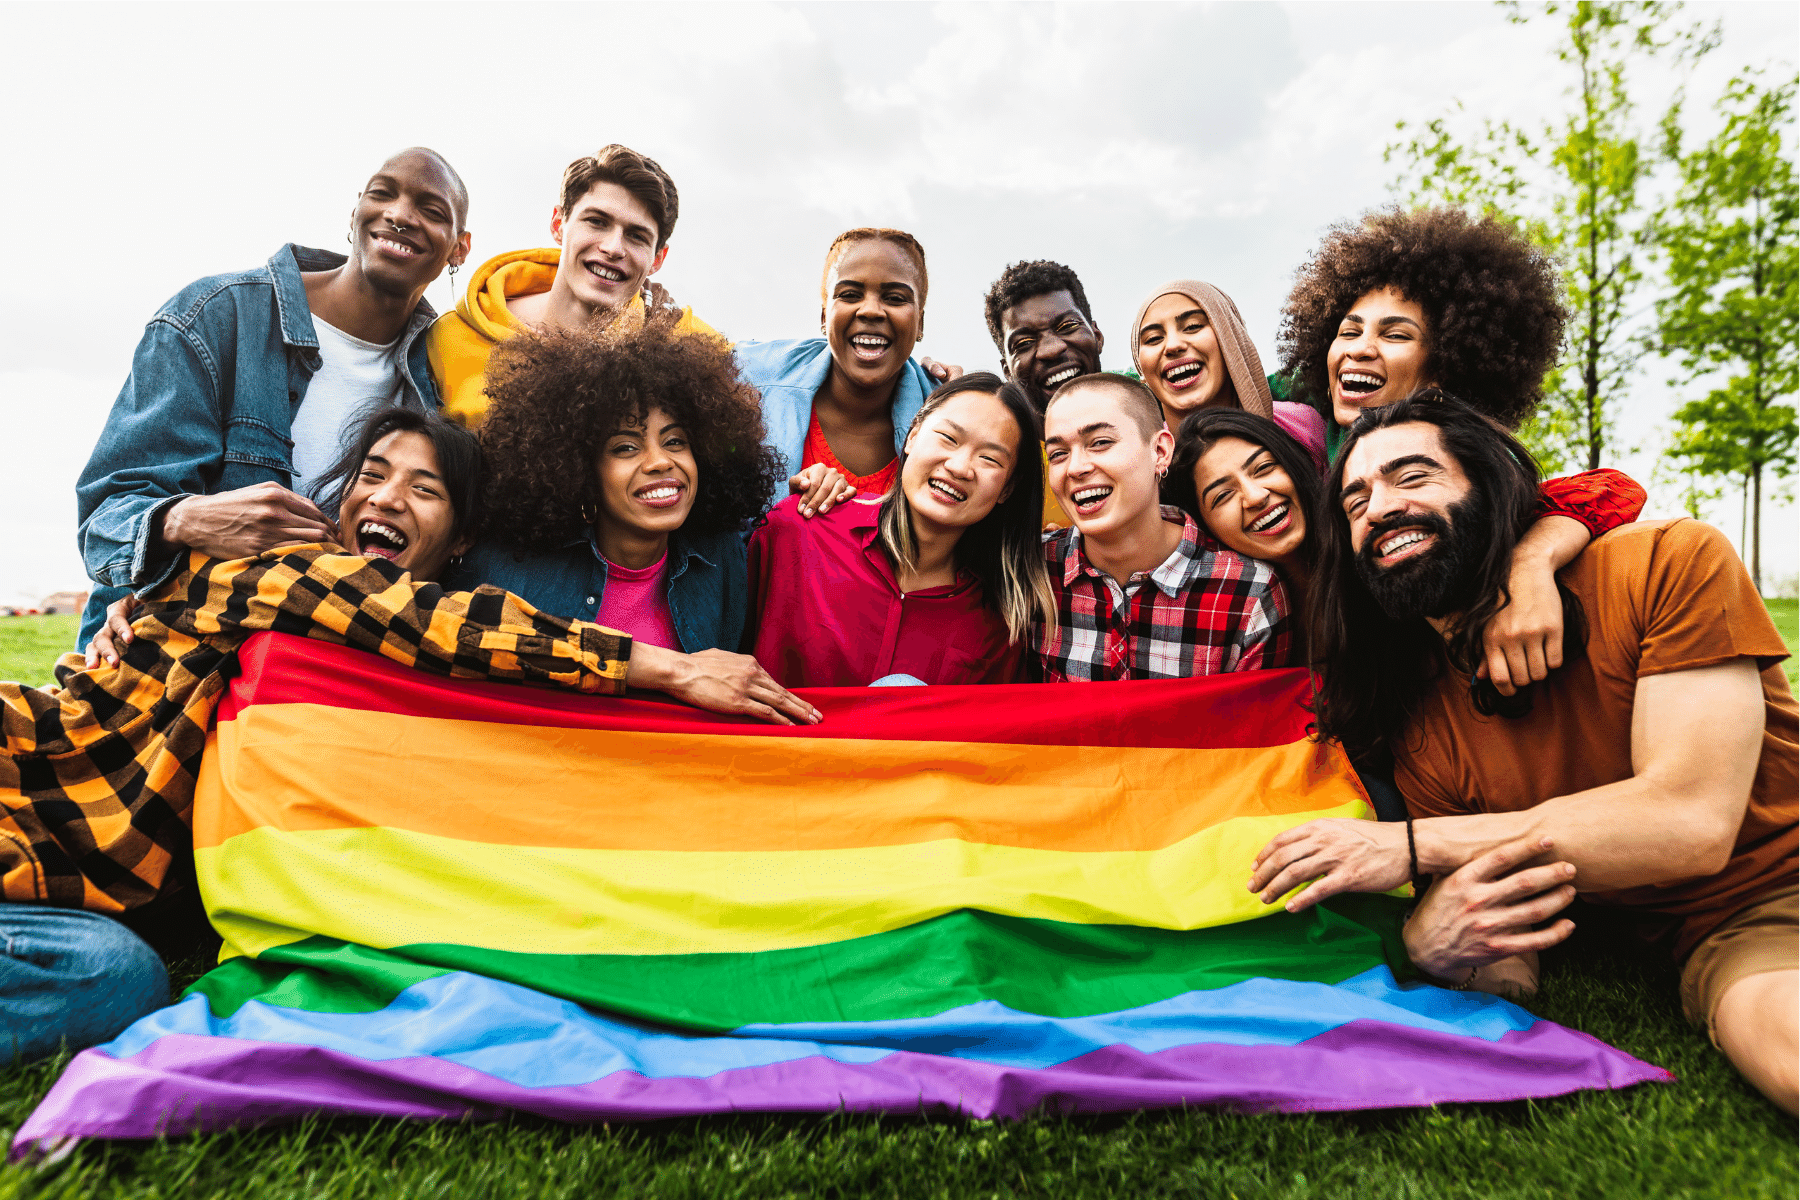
(1756, 532)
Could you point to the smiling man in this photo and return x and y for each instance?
(611, 225)
(242, 385)
(1038, 315)
(1142, 592)
(1654, 771)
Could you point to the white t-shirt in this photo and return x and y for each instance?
(355, 378)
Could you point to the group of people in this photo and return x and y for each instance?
(574, 481)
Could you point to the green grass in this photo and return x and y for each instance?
(1786, 618)
(1706, 1135)
(29, 646)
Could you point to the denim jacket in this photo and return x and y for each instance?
(208, 407)
(709, 582)
(790, 373)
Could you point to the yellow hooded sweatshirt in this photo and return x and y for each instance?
(459, 342)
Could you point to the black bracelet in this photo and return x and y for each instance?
(1419, 882)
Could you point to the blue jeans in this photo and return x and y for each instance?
(69, 977)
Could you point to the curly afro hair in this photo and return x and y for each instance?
(1022, 281)
(558, 396)
(1492, 301)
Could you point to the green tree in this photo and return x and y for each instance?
(1578, 188)
(1732, 312)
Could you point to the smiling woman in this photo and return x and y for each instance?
(623, 468)
(938, 580)
(844, 400)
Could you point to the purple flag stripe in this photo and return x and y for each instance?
(184, 1083)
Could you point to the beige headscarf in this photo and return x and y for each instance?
(1242, 363)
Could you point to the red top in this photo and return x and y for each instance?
(828, 612)
(817, 450)
(1602, 499)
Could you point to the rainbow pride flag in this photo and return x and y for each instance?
(444, 899)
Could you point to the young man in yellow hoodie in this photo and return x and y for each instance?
(612, 230)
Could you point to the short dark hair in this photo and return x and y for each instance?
(638, 174)
(1023, 281)
(558, 395)
(1204, 427)
(1375, 669)
(909, 245)
(1146, 412)
(458, 455)
(1492, 302)
(1004, 549)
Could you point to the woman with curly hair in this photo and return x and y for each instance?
(842, 402)
(623, 468)
(938, 581)
(1402, 300)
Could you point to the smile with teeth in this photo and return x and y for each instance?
(869, 345)
(1061, 377)
(1269, 520)
(1400, 541)
(380, 539)
(393, 247)
(1181, 372)
(663, 491)
(1360, 382)
(1090, 495)
(947, 490)
(605, 272)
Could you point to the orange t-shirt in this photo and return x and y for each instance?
(1659, 597)
(817, 450)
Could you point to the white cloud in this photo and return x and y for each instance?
(1134, 142)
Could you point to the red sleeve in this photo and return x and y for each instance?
(1602, 500)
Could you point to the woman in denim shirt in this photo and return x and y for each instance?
(623, 470)
(844, 401)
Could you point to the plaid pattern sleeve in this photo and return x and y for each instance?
(1602, 499)
(1204, 611)
(97, 779)
(373, 605)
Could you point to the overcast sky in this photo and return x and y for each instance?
(1135, 142)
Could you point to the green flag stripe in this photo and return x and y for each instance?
(1047, 967)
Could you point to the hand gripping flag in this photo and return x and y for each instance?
(443, 899)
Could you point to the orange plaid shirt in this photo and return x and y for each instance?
(97, 776)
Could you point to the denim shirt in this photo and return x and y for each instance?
(790, 373)
(709, 583)
(208, 407)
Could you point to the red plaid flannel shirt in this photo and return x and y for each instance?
(1204, 611)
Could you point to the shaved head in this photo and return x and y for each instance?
(1137, 400)
(459, 194)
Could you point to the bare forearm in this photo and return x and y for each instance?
(1625, 834)
(1552, 543)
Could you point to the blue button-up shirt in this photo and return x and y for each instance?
(709, 588)
(790, 373)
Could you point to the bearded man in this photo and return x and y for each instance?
(1655, 770)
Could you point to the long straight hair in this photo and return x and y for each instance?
(1004, 549)
(1377, 669)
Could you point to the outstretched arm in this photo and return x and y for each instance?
(1696, 737)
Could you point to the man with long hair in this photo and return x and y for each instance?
(1654, 771)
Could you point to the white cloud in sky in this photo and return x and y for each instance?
(1135, 142)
